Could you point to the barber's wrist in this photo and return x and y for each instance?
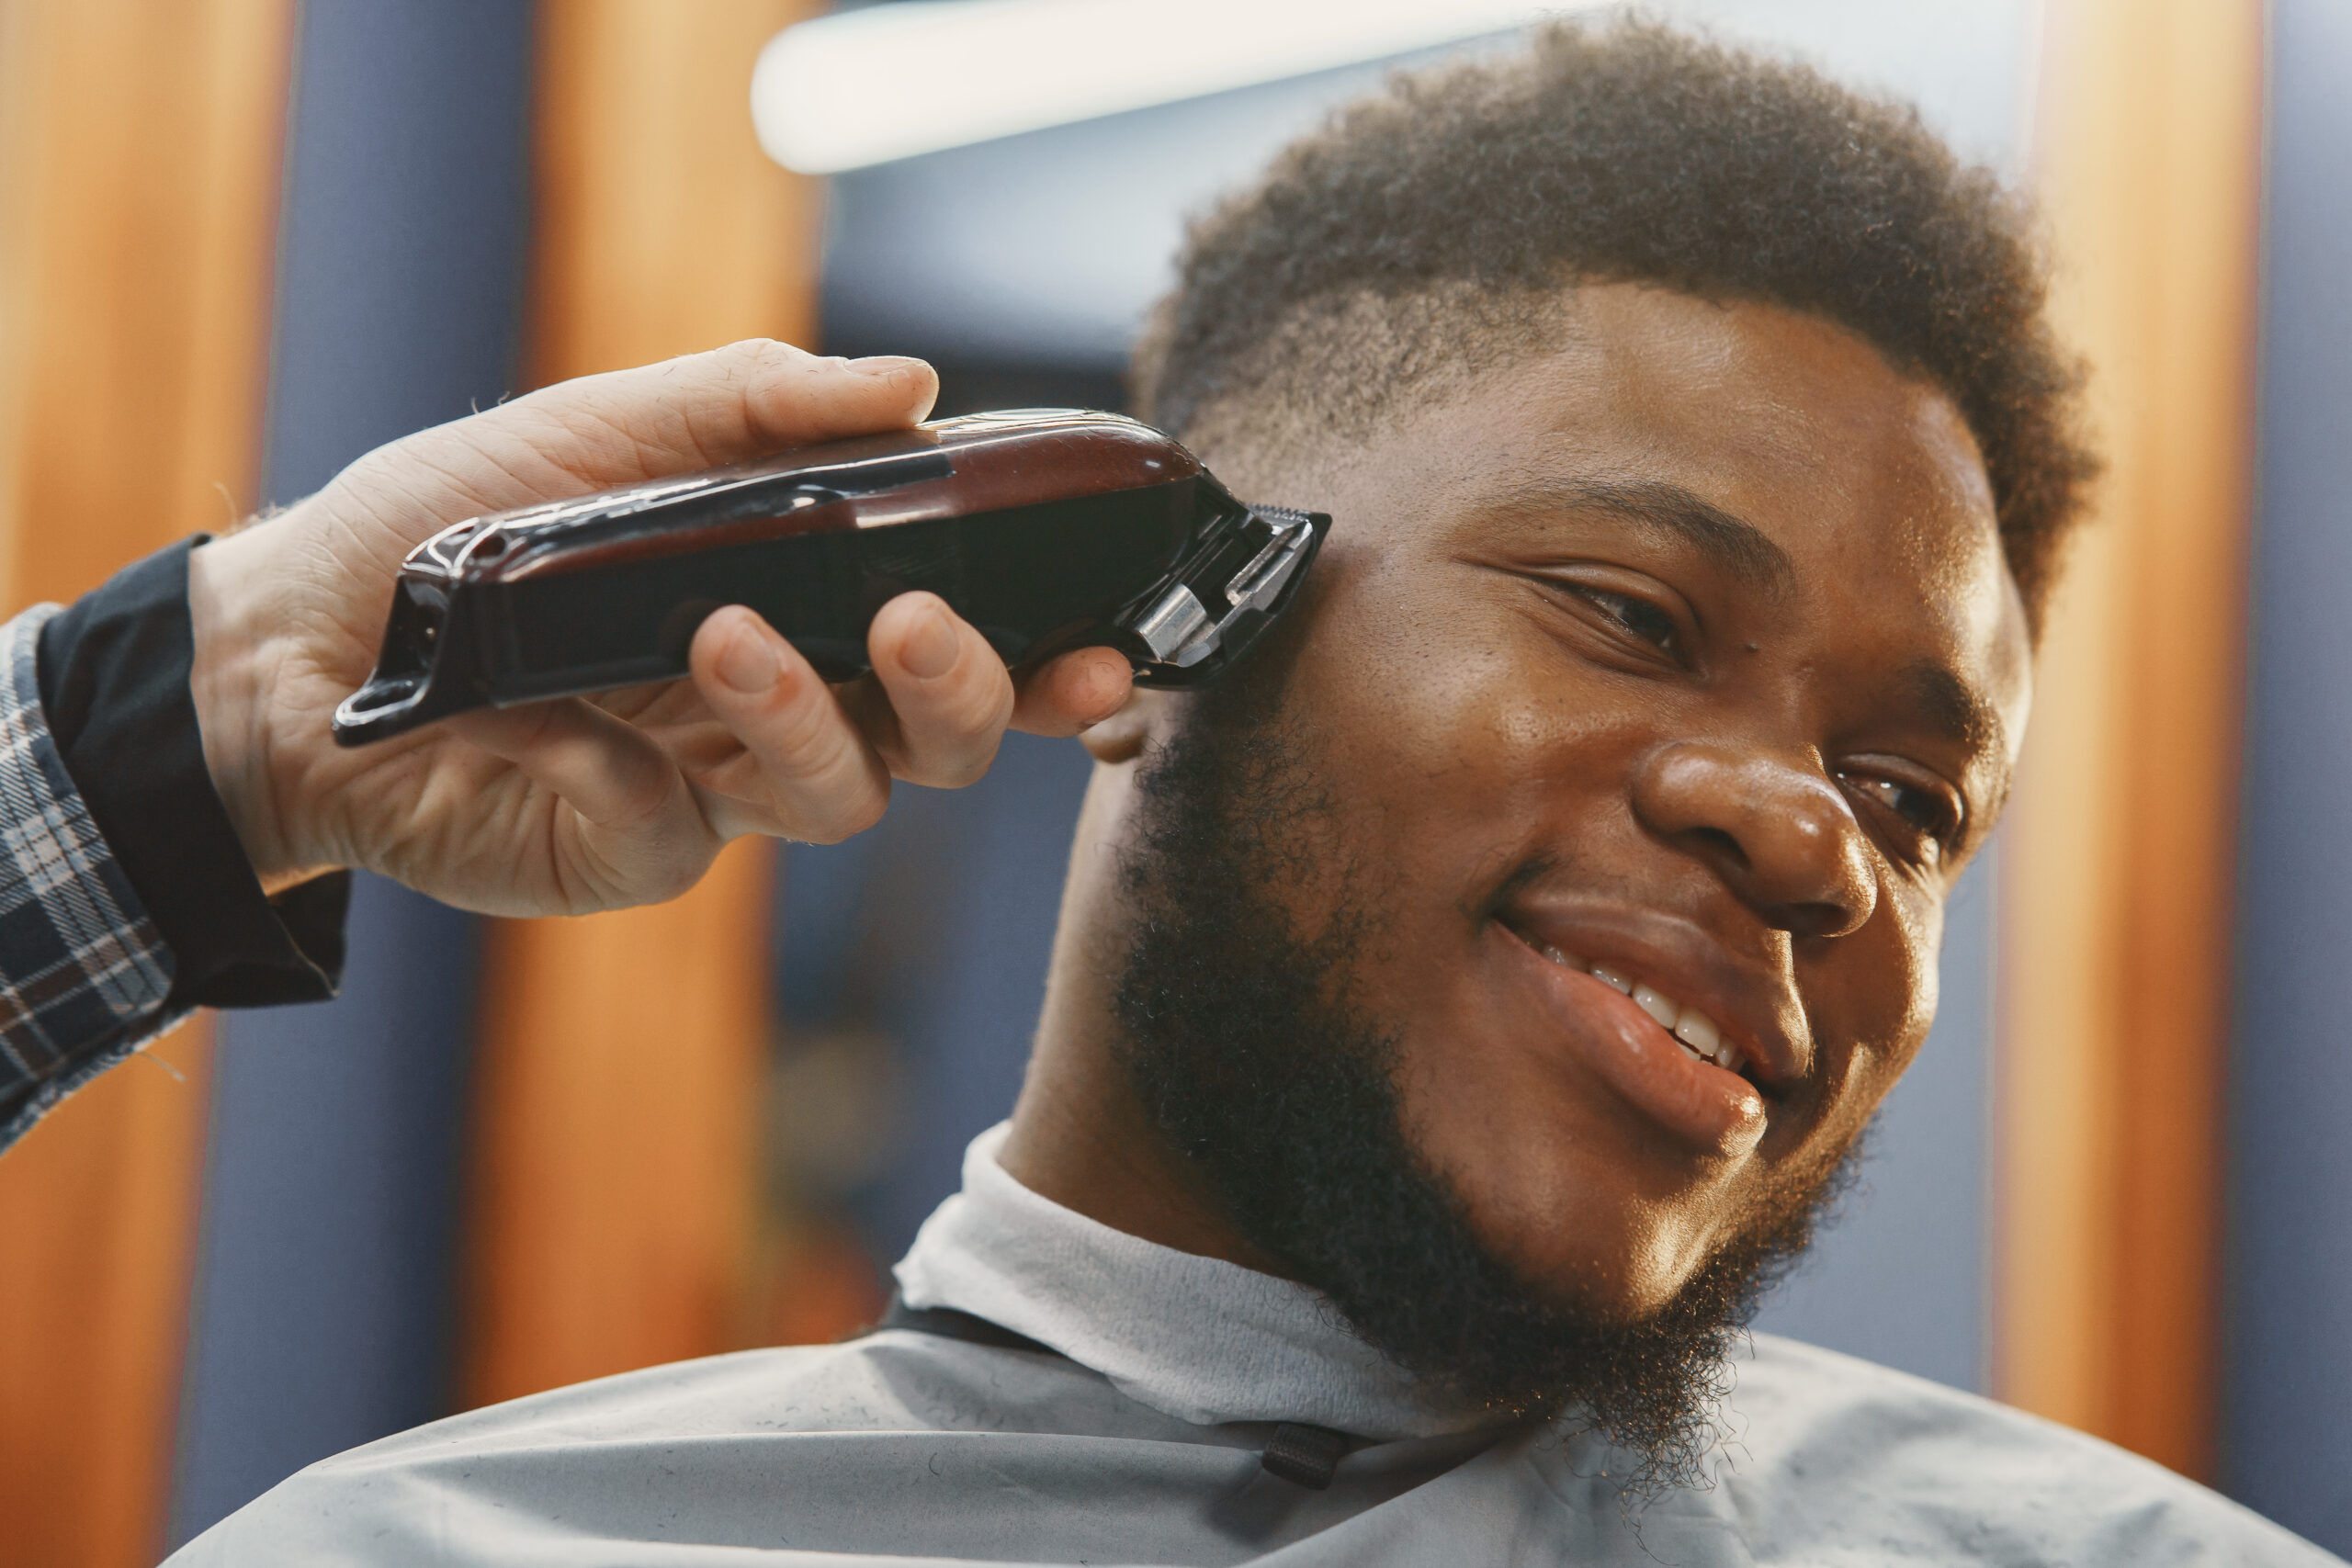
(236, 618)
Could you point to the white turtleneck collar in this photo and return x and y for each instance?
(1202, 1340)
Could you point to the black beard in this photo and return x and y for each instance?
(1240, 1040)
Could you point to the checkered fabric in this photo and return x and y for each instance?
(84, 972)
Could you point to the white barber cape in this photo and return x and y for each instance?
(1140, 1442)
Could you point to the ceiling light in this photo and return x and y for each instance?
(891, 81)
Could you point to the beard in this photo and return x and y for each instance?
(1240, 1037)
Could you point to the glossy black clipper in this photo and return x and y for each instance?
(1045, 528)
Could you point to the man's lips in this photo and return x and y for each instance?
(1746, 1008)
(1692, 1086)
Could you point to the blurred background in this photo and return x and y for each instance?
(242, 242)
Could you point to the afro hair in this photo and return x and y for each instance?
(1431, 231)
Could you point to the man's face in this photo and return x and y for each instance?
(1687, 652)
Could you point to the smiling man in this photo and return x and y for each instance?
(1458, 1014)
(1515, 960)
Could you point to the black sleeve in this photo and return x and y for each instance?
(114, 670)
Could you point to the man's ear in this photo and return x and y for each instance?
(1121, 736)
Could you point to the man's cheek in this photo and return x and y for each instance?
(1897, 982)
(1877, 986)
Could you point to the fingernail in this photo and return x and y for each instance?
(747, 663)
(882, 364)
(931, 648)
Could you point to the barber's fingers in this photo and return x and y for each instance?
(789, 398)
(1072, 691)
(629, 829)
(816, 762)
(743, 400)
(807, 772)
(940, 697)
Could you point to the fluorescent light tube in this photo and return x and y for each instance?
(892, 80)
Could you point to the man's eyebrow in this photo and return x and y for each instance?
(1954, 706)
(1739, 548)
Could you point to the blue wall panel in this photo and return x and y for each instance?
(323, 1280)
(935, 928)
(2289, 1364)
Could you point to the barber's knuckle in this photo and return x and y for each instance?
(666, 879)
(848, 815)
(870, 809)
(808, 732)
(931, 733)
(983, 709)
(967, 767)
(757, 351)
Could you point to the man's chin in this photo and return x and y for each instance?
(1587, 1228)
(1536, 1342)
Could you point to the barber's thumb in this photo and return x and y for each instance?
(792, 398)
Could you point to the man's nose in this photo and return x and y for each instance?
(1774, 828)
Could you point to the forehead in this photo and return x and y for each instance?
(1867, 481)
(1778, 417)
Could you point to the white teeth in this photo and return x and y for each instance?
(1703, 1039)
(1693, 1029)
(1657, 1004)
(1696, 1029)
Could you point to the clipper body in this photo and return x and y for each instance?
(1046, 529)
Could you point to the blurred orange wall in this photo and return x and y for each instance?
(138, 174)
(2117, 866)
(623, 1057)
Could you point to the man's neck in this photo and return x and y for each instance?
(1079, 1136)
(1086, 1145)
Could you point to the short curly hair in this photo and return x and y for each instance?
(1428, 232)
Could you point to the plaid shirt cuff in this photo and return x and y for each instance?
(84, 971)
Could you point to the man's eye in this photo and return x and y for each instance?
(1638, 616)
(1926, 809)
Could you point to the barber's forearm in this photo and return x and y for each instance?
(175, 794)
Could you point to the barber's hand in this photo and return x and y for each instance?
(585, 803)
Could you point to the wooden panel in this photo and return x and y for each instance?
(622, 1059)
(662, 227)
(139, 173)
(98, 1220)
(623, 1055)
(2117, 868)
